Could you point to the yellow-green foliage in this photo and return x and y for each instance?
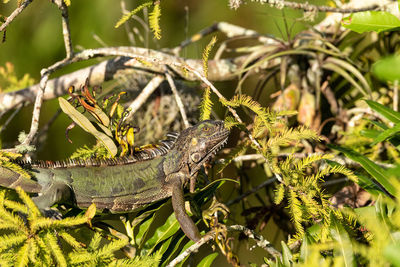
(28, 238)
(154, 20)
(206, 103)
(154, 17)
(9, 80)
(377, 243)
(299, 178)
(302, 188)
(126, 17)
(265, 118)
(206, 54)
(5, 162)
(85, 152)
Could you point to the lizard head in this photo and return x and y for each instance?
(203, 140)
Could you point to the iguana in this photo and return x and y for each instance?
(122, 185)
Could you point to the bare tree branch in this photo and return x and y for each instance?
(260, 240)
(309, 7)
(178, 100)
(144, 95)
(219, 70)
(15, 13)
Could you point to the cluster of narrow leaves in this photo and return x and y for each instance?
(29, 238)
(302, 189)
(373, 242)
(9, 80)
(154, 17)
(6, 162)
(206, 103)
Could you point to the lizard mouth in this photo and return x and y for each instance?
(220, 139)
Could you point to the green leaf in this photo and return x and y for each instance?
(376, 171)
(387, 69)
(287, 256)
(367, 184)
(371, 21)
(370, 133)
(86, 125)
(385, 225)
(144, 227)
(391, 132)
(165, 231)
(305, 248)
(208, 260)
(344, 248)
(170, 252)
(388, 113)
(391, 253)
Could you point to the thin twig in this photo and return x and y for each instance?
(260, 240)
(36, 108)
(178, 100)
(248, 157)
(251, 191)
(130, 35)
(9, 119)
(42, 135)
(15, 13)
(66, 29)
(309, 7)
(144, 95)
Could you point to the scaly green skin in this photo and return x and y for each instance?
(123, 187)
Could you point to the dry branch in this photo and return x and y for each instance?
(219, 70)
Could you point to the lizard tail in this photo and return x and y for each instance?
(12, 179)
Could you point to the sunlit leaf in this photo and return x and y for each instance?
(208, 260)
(287, 256)
(388, 113)
(391, 253)
(165, 231)
(344, 248)
(376, 171)
(86, 125)
(387, 69)
(387, 134)
(371, 21)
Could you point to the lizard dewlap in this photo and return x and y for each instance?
(125, 184)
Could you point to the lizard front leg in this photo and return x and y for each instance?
(178, 204)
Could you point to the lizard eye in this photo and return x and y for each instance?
(206, 129)
(195, 157)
